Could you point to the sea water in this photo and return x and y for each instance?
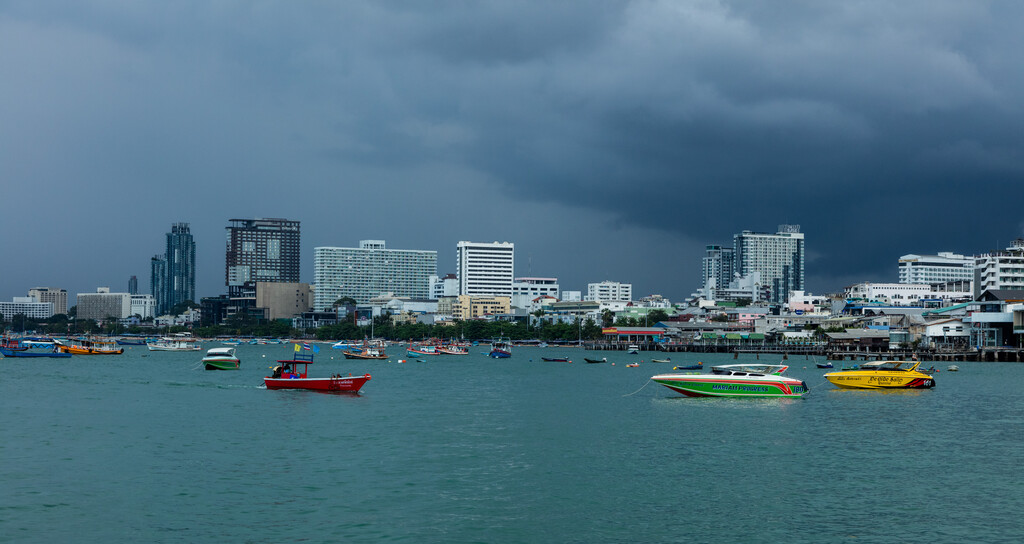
(149, 447)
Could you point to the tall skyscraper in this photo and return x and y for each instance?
(718, 266)
(485, 269)
(133, 285)
(778, 257)
(181, 265)
(261, 250)
(158, 282)
(370, 270)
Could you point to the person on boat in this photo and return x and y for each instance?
(277, 372)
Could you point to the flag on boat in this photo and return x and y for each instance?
(297, 347)
(316, 348)
(305, 346)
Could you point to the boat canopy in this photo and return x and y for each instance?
(890, 365)
(757, 369)
(220, 351)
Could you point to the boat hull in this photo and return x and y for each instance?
(867, 379)
(499, 354)
(29, 353)
(347, 384)
(221, 364)
(362, 355)
(74, 350)
(707, 385)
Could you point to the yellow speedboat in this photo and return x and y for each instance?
(883, 375)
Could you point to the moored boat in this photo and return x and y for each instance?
(665, 360)
(883, 375)
(556, 359)
(416, 349)
(595, 361)
(287, 375)
(221, 359)
(952, 368)
(698, 366)
(178, 342)
(735, 381)
(365, 353)
(31, 348)
(633, 349)
(81, 346)
(501, 349)
(452, 349)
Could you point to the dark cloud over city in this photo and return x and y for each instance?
(608, 140)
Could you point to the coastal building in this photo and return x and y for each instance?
(261, 249)
(718, 267)
(607, 291)
(158, 281)
(281, 300)
(143, 306)
(779, 258)
(56, 295)
(103, 305)
(181, 266)
(447, 286)
(525, 290)
(26, 306)
(1000, 270)
(572, 296)
(996, 318)
(485, 269)
(472, 307)
(369, 270)
(941, 268)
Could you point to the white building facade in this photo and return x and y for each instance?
(1000, 269)
(27, 306)
(525, 290)
(778, 257)
(901, 294)
(941, 268)
(447, 286)
(485, 269)
(607, 291)
(143, 306)
(103, 304)
(369, 270)
(56, 295)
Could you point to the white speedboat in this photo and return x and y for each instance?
(178, 342)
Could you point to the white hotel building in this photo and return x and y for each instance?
(1000, 269)
(485, 269)
(609, 291)
(524, 290)
(942, 268)
(370, 270)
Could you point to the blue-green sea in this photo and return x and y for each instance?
(148, 447)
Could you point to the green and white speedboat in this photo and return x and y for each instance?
(735, 381)
(221, 359)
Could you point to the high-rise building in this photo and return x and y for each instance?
(718, 267)
(485, 269)
(133, 285)
(59, 297)
(103, 305)
(261, 250)
(941, 268)
(181, 266)
(1000, 269)
(778, 257)
(158, 282)
(370, 270)
(608, 291)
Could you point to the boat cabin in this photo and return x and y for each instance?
(901, 366)
(765, 370)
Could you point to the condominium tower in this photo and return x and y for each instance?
(370, 270)
(718, 266)
(261, 250)
(778, 257)
(59, 297)
(181, 266)
(485, 269)
(608, 291)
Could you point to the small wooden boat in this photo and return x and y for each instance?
(824, 365)
(367, 353)
(697, 366)
(89, 347)
(556, 359)
(665, 360)
(632, 365)
(221, 359)
(453, 350)
(595, 361)
(952, 368)
(501, 349)
(633, 349)
(288, 376)
(414, 351)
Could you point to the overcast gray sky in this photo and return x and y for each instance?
(608, 140)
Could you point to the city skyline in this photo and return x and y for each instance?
(611, 141)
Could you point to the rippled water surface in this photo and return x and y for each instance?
(148, 447)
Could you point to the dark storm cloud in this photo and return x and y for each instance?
(881, 128)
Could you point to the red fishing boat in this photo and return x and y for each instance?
(287, 375)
